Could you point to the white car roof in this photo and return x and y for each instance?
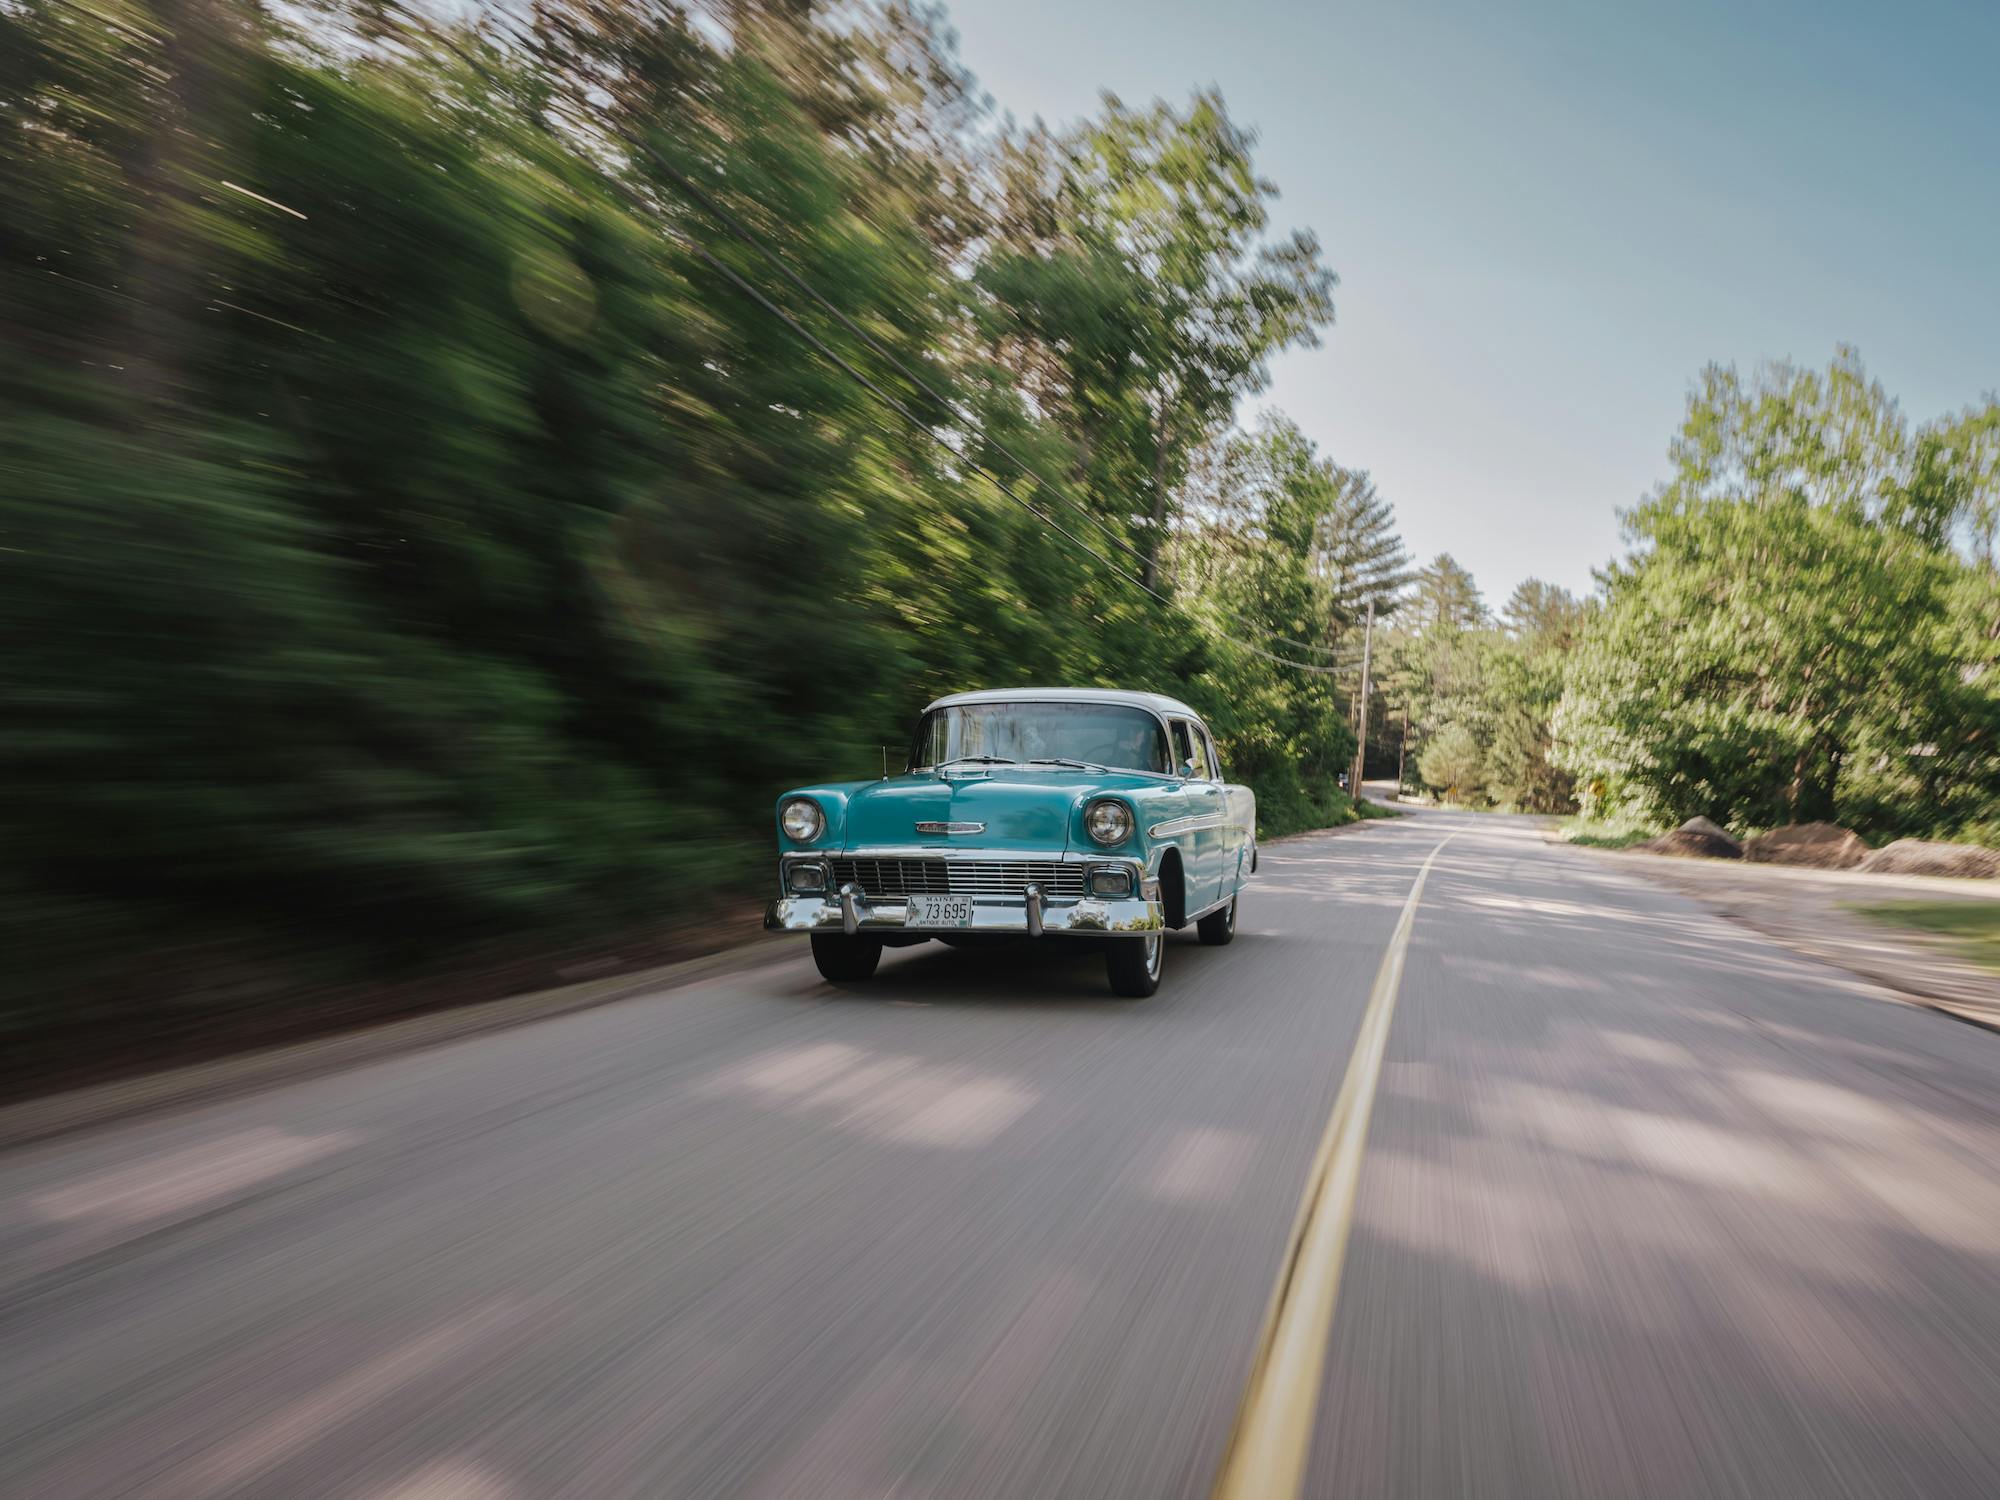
(1159, 703)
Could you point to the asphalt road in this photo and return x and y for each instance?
(1649, 1207)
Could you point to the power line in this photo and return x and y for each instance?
(1285, 660)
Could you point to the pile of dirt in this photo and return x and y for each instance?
(1818, 846)
(1931, 857)
(1697, 838)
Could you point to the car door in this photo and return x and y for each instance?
(1207, 815)
(1239, 827)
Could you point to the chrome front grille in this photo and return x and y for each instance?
(960, 877)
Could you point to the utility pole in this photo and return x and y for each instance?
(1361, 740)
(1403, 744)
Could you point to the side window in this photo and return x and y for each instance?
(1214, 760)
(1196, 748)
(1183, 748)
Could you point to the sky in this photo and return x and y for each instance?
(1548, 215)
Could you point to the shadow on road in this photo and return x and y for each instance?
(1054, 974)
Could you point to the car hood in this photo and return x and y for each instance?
(1021, 808)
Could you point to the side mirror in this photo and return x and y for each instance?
(1185, 770)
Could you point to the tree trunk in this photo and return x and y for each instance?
(1403, 747)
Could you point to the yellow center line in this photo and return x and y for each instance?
(1266, 1458)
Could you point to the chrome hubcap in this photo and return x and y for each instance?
(1153, 954)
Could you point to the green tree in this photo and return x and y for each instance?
(1138, 295)
(1493, 685)
(1787, 627)
(1444, 599)
(1251, 556)
(1523, 682)
(1435, 665)
(1541, 614)
(1453, 763)
(1359, 553)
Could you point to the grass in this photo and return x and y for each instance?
(1330, 808)
(1594, 833)
(1973, 926)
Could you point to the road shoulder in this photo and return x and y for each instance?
(1814, 912)
(239, 1073)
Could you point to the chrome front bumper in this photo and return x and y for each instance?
(1032, 916)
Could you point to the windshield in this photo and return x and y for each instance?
(1094, 734)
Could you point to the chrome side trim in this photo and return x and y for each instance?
(1213, 906)
(1192, 824)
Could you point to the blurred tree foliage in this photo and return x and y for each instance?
(418, 528)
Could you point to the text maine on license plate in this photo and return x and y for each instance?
(939, 911)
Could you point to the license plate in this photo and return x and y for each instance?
(939, 911)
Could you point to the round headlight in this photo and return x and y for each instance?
(801, 819)
(1108, 822)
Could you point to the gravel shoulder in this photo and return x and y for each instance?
(1814, 912)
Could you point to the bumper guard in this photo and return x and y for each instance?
(1031, 914)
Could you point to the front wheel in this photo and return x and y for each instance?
(843, 959)
(1218, 927)
(1133, 964)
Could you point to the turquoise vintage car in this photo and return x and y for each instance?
(1024, 813)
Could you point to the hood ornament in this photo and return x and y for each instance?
(950, 829)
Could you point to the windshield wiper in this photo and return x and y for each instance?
(1074, 765)
(977, 760)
